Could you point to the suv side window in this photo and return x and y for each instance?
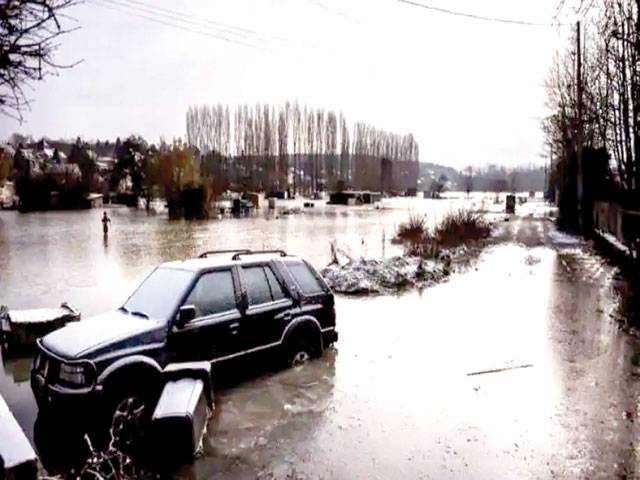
(258, 288)
(213, 293)
(305, 279)
(276, 289)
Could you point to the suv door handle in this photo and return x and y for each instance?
(286, 316)
(234, 327)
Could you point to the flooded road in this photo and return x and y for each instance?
(422, 385)
(402, 396)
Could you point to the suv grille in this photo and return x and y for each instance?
(48, 367)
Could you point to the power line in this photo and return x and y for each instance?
(337, 12)
(478, 17)
(151, 10)
(113, 5)
(201, 20)
(218, 30)
(233, 29)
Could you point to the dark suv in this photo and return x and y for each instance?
(220, 306)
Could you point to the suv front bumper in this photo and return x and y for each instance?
(57, 397)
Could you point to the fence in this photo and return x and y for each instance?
(619, 226)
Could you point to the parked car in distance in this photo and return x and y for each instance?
(217, 307)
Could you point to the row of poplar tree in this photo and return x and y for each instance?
(290, 129)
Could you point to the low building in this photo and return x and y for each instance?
(354, 197)
(105, 164)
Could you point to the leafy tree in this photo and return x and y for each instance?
(86, 161)
(17, 139)
(6, 163)
(130, 156)
(173, 168)
(437, 186)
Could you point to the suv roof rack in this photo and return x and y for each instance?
(237, 256)
(216, 252)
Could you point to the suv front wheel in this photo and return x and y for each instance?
(129, 411)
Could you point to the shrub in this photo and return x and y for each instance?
(413, 230)
(455, 229)
(459, 227)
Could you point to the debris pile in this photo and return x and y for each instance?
(363, 276)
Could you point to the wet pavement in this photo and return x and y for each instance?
(421, 385)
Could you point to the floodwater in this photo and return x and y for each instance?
(514, 368)
(51, 257)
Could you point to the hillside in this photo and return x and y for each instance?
(487, 178)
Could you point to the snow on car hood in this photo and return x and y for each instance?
(78, 338)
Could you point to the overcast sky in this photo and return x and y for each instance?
(470, 91)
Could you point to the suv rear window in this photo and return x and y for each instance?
(304, 277)
(262, 285)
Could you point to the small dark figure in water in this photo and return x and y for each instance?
(105, 223)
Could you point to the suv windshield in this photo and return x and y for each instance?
(159, 293)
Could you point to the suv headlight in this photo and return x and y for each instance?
(76, 374)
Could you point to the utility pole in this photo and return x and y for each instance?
(579, 129)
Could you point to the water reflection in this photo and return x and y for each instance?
(596, 411)
(17, 368)
(60, 443)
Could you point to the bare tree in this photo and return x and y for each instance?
(266, 138)
(29, 30)
(611, 98)
(345, 167)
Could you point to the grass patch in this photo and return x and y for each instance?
(413, 230)
(455, 229)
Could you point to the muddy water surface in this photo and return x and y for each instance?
(50, 257)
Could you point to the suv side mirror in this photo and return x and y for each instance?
(185, 315)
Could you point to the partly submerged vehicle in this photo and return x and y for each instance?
(215, 308)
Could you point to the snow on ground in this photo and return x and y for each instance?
(561, 239)
(614, 242)
(383, 276)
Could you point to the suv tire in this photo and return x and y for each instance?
(300, 349)
(127, 414)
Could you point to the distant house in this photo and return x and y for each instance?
(106, 164)
(41, 159)
(25, 161)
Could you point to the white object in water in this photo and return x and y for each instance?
(15, 450)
